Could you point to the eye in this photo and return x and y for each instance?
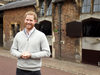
(26, 19)
(31, 20)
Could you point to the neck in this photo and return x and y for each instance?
(28, 30)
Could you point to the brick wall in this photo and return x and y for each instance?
(13, 15)
(68, 49)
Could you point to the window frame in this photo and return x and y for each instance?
(86, 7)
(14, 29)
(91, 8)
(96, 4)
(42, 10)
(50, 10)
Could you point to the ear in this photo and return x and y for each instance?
(35, 21)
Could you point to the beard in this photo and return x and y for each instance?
(29, 26)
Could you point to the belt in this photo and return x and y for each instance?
(27, 70)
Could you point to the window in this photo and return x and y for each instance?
(42, 10)
(90, 6)
(49, 10)
(86, 6)
(91, 27)
(96, 5)
(15, 29)
(45, 27)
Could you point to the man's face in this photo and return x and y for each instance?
(29, 22)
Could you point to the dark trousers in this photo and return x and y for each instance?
(24, 72)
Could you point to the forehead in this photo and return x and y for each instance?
(30, 16)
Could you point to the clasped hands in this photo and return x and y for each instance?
(25, 55)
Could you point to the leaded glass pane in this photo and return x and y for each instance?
(84, 9)
(42, 10)
(99, 7)
(96, 1)
(88, 8)
(95, 8)
(84, 2)
(99, 1)
(88, 2)
(49, 10)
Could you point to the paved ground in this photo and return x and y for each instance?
(8, 67)
(57, 65)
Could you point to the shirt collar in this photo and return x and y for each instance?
(32, 30)
(29, 32)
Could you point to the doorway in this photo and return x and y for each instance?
(46, 27)
(90, 41)
(1, 35)
(1, 29)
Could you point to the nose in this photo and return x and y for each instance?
(28, 21)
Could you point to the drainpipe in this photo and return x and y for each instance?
(59, 12)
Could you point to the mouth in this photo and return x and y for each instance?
(28, 25)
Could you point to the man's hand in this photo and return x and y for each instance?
(25, 55)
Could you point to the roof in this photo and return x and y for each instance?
(17, 4)
(57, 1)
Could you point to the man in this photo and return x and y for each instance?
(29, 46)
